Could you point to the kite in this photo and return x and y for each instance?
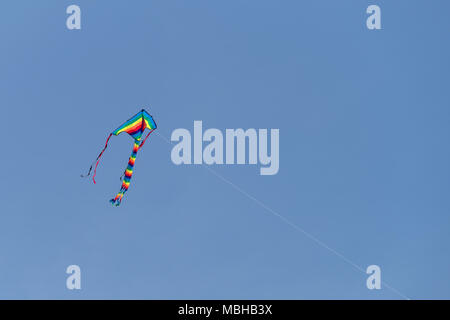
(135, 127)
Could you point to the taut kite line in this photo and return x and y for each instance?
(135, 127)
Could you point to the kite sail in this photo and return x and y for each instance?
(135, 127)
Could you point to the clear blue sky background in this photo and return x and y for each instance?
(364, 157)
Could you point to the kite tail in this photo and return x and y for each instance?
(128, 173)
(97, 161)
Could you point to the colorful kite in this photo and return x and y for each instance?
(135, 127)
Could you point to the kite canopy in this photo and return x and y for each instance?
(136, 125)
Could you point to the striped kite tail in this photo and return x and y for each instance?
(128, 173)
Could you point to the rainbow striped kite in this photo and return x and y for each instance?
(135, 127)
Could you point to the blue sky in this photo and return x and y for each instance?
(364, 163)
